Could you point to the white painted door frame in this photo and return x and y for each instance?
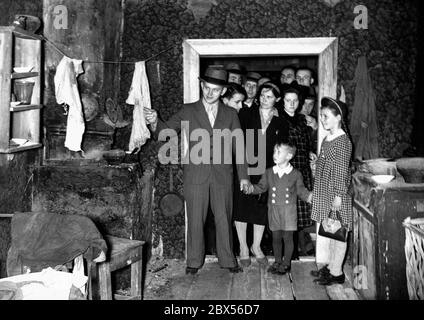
(326, 49)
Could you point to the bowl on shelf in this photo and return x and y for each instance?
(382, 178)
(114, 157)
(22, 69)
(412, 169)
(378, 166)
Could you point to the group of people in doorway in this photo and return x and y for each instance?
(295, 191)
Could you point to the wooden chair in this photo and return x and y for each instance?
(122, 252)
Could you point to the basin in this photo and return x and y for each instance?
(412, 169)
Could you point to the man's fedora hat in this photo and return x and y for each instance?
(215, 76)
(341, 106)
(253, 76)
(234, 68)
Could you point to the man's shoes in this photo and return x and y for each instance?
(324, 271)
(190, 270)
(330, 279)
(235, 269)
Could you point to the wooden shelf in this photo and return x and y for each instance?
(21, 33)
(22, 75)
(19, 48)
(25, 107)
(26, 146)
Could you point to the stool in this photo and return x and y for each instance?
(122, 252)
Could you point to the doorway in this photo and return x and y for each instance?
(199, 52)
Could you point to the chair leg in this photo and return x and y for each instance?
(105, 283)
(136, 278)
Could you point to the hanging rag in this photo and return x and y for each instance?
(66, 90)
(139, 96)
(363, 124)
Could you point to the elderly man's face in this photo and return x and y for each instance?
(304, 77)
(211, 92)
(234, 78)
(287, 76)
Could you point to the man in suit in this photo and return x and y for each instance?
(210, 180)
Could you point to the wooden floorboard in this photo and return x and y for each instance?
(304, 288)
(247, 284)
(275, 287)
(211, 283)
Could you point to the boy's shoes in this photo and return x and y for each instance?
(282, 269)
(235, 269)
(324, 271)
(190, 270)
(274, 267)
(279, 268)
(330, 279)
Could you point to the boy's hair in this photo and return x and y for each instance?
(287, 144)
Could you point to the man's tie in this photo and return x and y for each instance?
(211, 115)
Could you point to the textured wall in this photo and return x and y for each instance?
(15, 193)
(389, 45)
(9, 8)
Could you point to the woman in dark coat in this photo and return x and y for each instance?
(300, 138)
(265, 126)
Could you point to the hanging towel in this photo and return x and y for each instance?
(66, 90)
(363, 124)
(139, 96)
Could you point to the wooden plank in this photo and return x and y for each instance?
(303, 285)
(211, 283)
(5, 87)
(24, 75)
(275, 287)
(25, 107)
(27, 146)
(247, 284)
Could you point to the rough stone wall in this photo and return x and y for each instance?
(389, 45)
(15, 194)
(9, 8)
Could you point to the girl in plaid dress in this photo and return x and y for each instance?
(332, 180)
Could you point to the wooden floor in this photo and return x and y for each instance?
(254, 283)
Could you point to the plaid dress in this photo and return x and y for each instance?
(299, 137)
(333, 178)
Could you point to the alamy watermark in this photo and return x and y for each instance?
(227, 146)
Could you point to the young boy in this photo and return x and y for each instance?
(284, 184)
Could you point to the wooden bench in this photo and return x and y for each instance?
(122, 252)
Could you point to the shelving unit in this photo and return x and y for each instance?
(18, 48)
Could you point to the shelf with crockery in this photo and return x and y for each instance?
(20, 92)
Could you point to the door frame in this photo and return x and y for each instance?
(325, 48)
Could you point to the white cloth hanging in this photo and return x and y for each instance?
(139, 96)
(66, 90)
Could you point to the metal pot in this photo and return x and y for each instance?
(171, 203)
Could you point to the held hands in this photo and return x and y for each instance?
(309, 200)
(245, 186)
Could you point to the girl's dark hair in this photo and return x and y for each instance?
(338, 109)
(234, 88)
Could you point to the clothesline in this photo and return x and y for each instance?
(90, 61)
